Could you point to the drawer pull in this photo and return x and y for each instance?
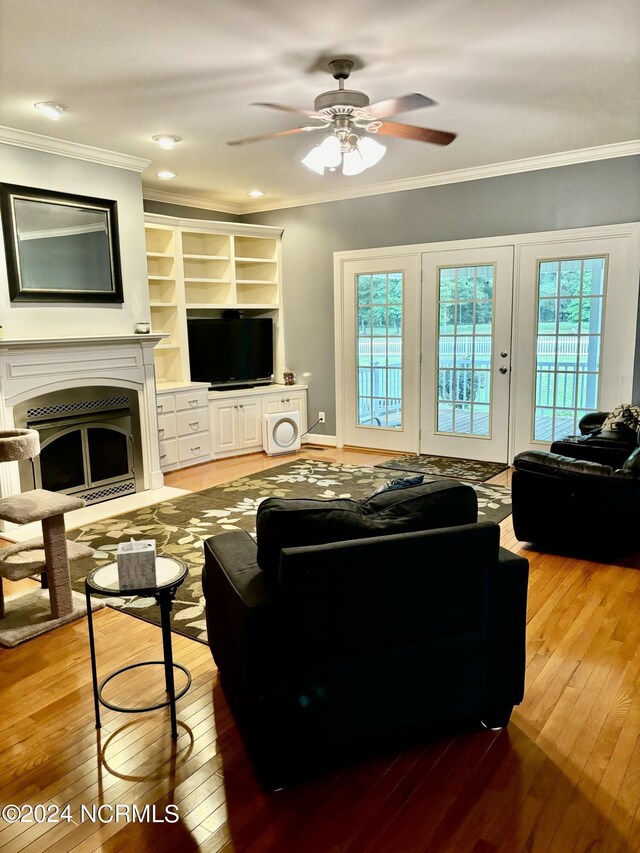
(163, 456)
(195, 449)
(161, 432)
(241, 406)
(194, 424)
(193, 402)
(159, 407)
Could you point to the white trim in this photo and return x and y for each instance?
(456, 176)
(71, 231)
(150, 194)
(76, 150)
(211, 226)
(323, 440)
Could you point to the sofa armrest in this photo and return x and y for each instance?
(505, 630)
(591, 421)
(244, 621)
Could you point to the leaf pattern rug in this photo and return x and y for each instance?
(179, 526)
(445, 466)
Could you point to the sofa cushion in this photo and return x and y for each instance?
(290, 522)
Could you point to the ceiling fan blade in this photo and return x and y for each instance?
(392, 106)
(421, 134)
(286, 109)
(264, 136)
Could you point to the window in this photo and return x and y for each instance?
(379, 349)
(568, 344)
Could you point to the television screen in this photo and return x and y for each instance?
(227, 351)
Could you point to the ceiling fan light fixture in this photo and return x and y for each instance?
(353, 162)
(371, 151)
(327, 155)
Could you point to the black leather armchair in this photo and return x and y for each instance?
(609, 447)
(576, 506)
(364, 641)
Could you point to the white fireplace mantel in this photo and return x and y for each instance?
(32, 367)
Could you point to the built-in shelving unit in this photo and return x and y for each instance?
(205, 268)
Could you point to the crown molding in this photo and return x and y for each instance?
(64, 148)
(192, 201)
(475, 173)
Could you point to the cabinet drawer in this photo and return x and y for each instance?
(193, 447)
(168, 453)
(166, 403)
(166, 426)
(190, 422)
(191, 400)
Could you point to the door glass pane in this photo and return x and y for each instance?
(379, 349)
(62, 462)
(465, 329)
(568, 344)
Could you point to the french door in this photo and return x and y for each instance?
(572, 328)
(485, 349)
(380, 323)
(466, 352)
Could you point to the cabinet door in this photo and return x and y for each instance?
(273, 403)
(224, 417)
(296, 401)
(250, 422)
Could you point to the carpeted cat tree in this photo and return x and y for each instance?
(50, 555)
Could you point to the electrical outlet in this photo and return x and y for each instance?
(321, 417)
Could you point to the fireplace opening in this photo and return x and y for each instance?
(89, 443)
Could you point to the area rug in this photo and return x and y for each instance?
(445, 466)
(180, 525)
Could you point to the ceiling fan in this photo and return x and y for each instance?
(351, 120)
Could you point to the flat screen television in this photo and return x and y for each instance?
(230, 351)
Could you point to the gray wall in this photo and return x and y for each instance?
(601, 193)
(179, 210)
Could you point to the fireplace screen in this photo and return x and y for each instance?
(85, 456)
(87, 444)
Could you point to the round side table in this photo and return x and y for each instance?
(170, 573)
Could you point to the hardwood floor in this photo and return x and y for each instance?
(564, 776)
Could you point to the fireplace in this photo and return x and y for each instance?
(106, 384)
(89, 443)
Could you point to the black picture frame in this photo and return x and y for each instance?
(80, 263)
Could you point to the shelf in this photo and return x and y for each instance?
(163, 305)
(207, 281)
(254, 281)
(160, 254)
(206, 257)
(168, 346)
(266, 306)
(161, 278)
(255, 261)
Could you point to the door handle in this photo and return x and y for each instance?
(503, 369)
(504, 353)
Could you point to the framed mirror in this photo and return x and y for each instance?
(60, 247)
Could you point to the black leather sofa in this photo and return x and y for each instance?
(609, 447)
(329, 647)
(575, 506)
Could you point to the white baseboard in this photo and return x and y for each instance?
(316, 438)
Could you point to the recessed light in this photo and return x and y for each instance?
(255, 193)
(51, 109)
(166, 141)
(166, 175)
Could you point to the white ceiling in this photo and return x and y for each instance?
(513, 78)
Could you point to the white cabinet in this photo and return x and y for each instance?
(236, 425)
(183, 426)
(236, 419)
